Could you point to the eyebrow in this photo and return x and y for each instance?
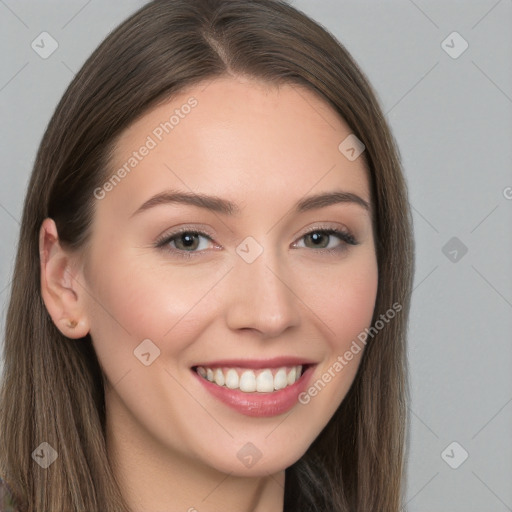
(223, 206)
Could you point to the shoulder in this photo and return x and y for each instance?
(6, 499)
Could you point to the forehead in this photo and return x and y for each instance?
(235, 138)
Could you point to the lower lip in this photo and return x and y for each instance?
(259, 404)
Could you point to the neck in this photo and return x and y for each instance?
(152, 477)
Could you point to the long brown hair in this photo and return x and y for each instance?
(52, 388)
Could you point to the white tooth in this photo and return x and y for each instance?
(247, 382)
(299, 371)
(201, 371)
(209, 374)
(232, 379)
(291, 376)
(265, 382)
(219, 377)
(280, 379)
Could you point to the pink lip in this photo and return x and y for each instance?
(276, 362)
(259, 404)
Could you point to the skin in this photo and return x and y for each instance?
(263, 148)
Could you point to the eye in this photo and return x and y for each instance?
(323, 239)
(187, 242)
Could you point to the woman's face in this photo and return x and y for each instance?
(264, 285)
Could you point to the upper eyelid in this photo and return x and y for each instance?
(204, 231)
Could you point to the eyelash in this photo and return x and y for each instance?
(345, 236)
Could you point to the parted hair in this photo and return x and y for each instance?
(52, 388)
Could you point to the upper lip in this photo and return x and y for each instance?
(276, 362)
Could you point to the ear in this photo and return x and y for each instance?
(61, 287)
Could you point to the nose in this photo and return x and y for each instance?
(262, 297)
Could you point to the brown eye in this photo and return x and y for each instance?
(318, 240)
(184, 242)
(322, 238)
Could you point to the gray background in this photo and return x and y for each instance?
(452, 120)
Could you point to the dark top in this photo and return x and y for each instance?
(6, 500)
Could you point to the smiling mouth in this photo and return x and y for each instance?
(264, 380)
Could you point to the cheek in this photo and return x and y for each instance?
(345, 305)
(356, 304)
(133, 300)
(343, 297)
(346, 310)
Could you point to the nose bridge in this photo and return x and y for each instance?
(261, 294)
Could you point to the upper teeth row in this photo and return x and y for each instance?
(248, 382)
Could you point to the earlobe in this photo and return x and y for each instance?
(60, 289)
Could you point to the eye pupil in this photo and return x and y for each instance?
(317, 238)
(188, 240)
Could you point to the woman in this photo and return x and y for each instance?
(178, 335)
